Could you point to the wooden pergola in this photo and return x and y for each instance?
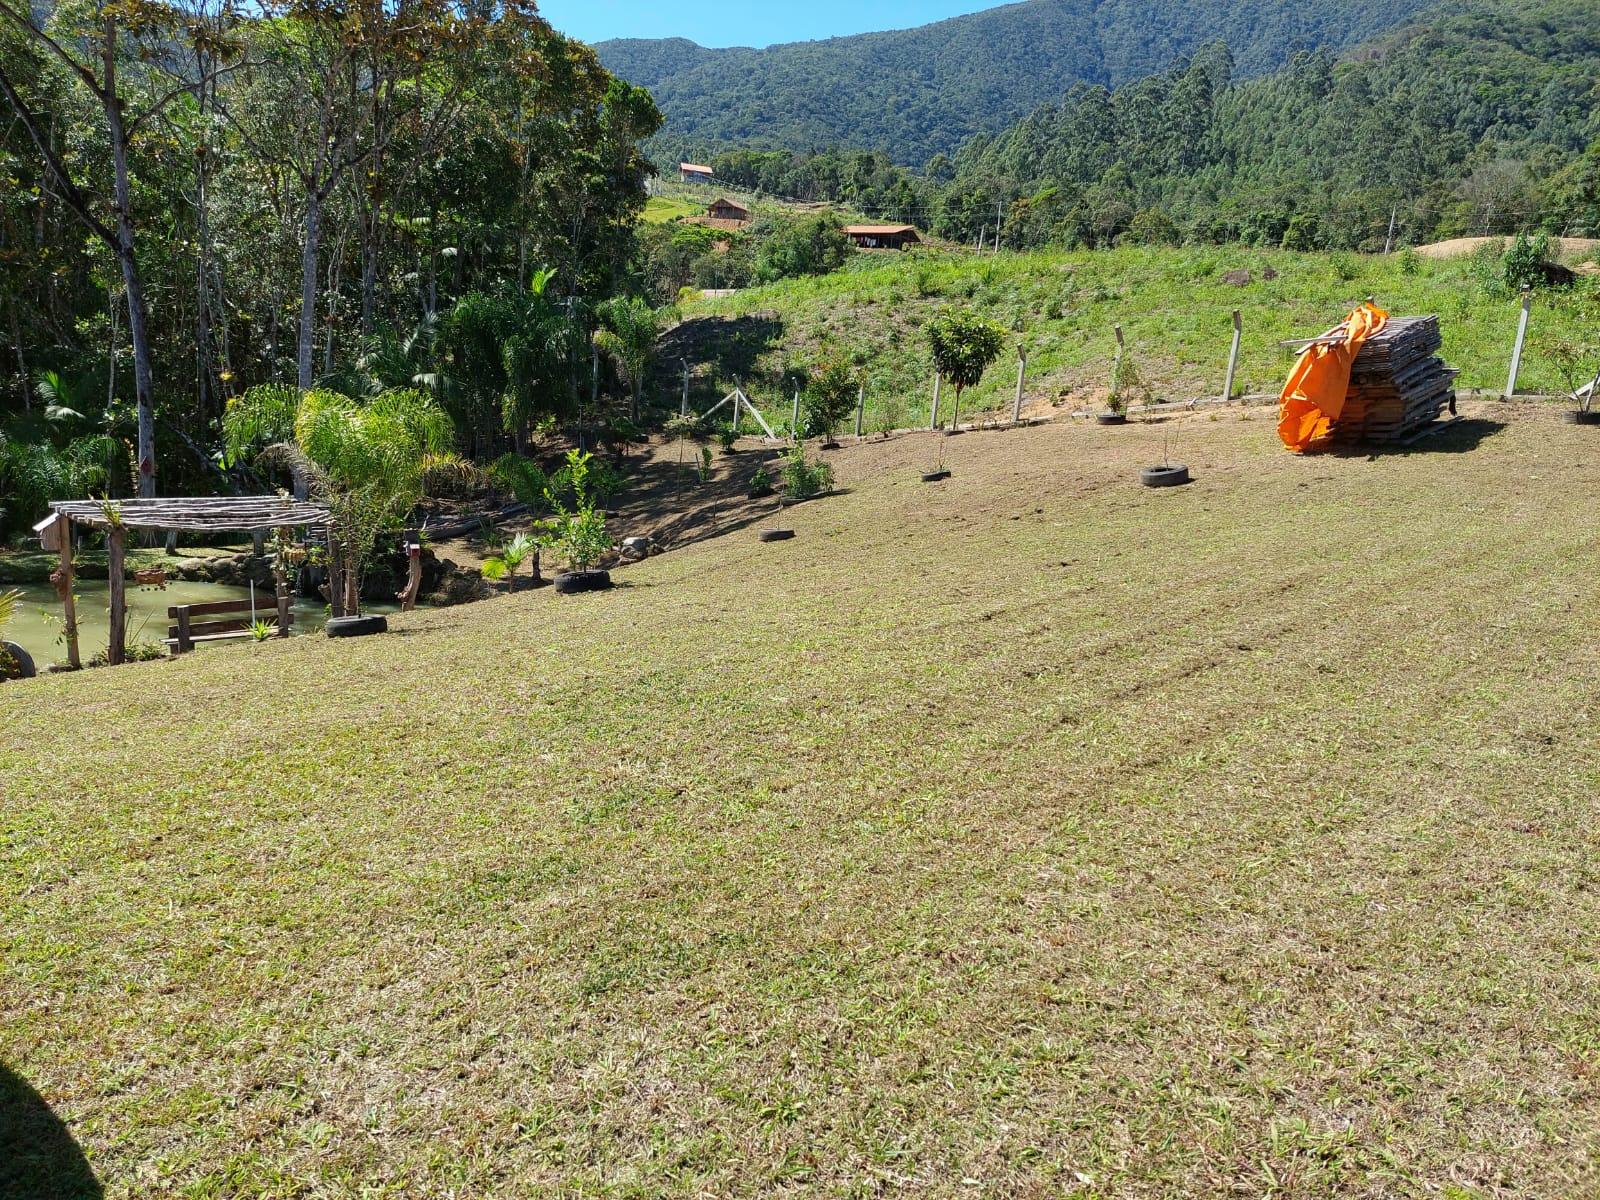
(182, 514)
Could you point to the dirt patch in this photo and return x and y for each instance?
(1459, 247)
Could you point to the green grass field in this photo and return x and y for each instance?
(1173, 304)
(659, 210)
(1030, 835)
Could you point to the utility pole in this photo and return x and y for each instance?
(999, 219)
(1388, 242)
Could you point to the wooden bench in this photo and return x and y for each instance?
(187, 633)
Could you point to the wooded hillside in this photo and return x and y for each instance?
(918, 92)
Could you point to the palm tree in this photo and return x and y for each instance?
(512, 555)
(629, 330)
(366, 460)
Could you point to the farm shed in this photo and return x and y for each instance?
(723, 209)
(694, 173)
(882, 237)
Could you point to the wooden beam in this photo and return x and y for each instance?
(116, 565)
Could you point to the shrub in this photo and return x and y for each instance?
(803, 479)
(577, 533)
(1523, 264)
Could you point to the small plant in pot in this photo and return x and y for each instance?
(760, 483)
(963, 346)
(1572, 360)
(577, 532)
(504, 565)
(1168, 474)
(1126, 386)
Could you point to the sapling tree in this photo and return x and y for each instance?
(964, 345)
(830, 395)
(577, 531)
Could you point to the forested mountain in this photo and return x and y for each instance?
(1477, 118)
(1483, 119)
(917, 92)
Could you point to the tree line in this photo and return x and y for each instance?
(201, 196)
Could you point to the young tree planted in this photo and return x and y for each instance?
(963, 345)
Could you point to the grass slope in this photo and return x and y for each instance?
(1031, 835)
(1173, 304)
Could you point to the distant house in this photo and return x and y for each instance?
(724, 209)
(882, 237)
(694, 173)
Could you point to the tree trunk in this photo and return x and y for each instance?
(308, 290)
(138, 321)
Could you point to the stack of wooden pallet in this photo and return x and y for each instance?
(1398, 383)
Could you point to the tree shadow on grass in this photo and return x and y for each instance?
(731, 345)
(39, 1160)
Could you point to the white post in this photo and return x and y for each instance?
(1233, 357)
(1516, 351)
(983, 236)
(738, 395)
(1388, 242)
(933, 422)
(794, 421)
(1022, 371)
(861, 408)
(683, 407)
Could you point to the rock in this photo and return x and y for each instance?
(1237, 278)
(636, 549)
(1267, 273)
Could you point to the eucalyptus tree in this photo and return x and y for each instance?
(112, 51)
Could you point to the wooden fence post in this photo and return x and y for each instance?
(861, 408)
(1233, 357)
(1022, 371)
(1522, 333)
(116, 560)
(408, 597)
(794, 418)
(933, 421)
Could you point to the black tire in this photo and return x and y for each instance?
(1164, 476)
(776, 535)
(570, 583)
(934, 476)
(1111, 418)
(1577, 416)
(15, 662)
(343, 627)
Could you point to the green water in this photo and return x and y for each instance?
(37, 625)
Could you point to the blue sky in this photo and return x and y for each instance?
(758, 23)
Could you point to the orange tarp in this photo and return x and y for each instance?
(1314, 395)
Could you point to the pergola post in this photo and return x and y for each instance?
(55, 533)
(116, 563)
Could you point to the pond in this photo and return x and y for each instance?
(37, 624)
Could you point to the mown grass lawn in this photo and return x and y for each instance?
(1174, 305)
(1029, 835)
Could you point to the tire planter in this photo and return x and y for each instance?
(776, 535)
(1576, 416)
(1111, 418)
(934, 476)
(1164, 476)
(15, 662)
(570, 583)
(343, 627)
